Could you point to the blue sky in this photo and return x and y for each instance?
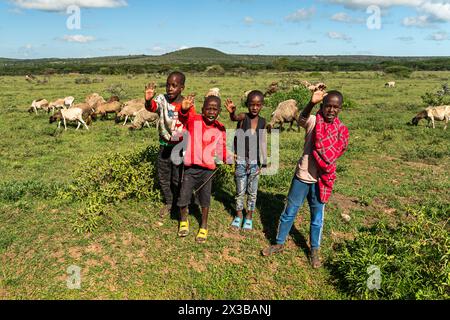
(38, 28)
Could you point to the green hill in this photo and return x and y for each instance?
(197, 54)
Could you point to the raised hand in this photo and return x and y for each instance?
(188, 102)
(150, 90)
(319, 95)
(231, 107)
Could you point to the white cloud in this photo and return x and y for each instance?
(436, 10)
(338, 36)
(60, 5)
(249, 20)
(158, 49)
(344, 17)
(439, 36)
(405, 38)
(301, 14)
(419, 21)
(78, 38)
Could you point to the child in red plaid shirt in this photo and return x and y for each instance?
(326, 141)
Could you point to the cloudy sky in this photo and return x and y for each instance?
(51, 28)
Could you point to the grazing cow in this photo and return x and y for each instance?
(273, 88)
(287, 112)
(94, 100)
(130, 110)
(441, 113)
(74, 114)
(40, 104)
(213, 92)
(390, 84)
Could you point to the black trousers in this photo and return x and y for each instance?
(169, 176)
(194, 178)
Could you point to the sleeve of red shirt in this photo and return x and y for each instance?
(221, 150)
(185, 116)
(151, 106)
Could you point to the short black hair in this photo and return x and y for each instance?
(253, 94)
(212, 98)
(334, 93)
(178, 74)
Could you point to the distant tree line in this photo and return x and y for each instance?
(401, 67)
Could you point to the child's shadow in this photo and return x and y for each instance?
(224, 197)
(271, 206)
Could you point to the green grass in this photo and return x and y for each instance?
(136, 255)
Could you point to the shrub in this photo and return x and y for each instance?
(16, 190)
(215, 70)
(108, 179)
(117, 90)
(435, 99)
(399, 71)
(412, 259)
(83, 80)
(299, 94)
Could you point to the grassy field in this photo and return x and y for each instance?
(135, 255)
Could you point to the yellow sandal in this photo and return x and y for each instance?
(202, 236)
(184, 229)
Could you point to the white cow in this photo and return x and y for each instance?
(38, 105)
(390, 84)
(64, 115)
(441, 113)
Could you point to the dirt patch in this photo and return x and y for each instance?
(346, 204)
(92, 263)
(227, 257)
(75, 253)
(110, 260)
(339, 236)
(197, 265)
(233, 236)
(3, 294)
(94, 248)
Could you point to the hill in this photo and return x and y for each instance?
(197, 59)
(196, 55)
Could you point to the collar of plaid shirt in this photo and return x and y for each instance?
(330, 143)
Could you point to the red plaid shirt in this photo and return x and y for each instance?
(331, 142)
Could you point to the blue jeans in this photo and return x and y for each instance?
(297, 195)
(247, 178)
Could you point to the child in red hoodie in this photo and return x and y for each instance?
(206, 142)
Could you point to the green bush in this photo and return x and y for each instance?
(434, 99)
(399, 71)
(412, 259)
(16, 190)
(300, 94)
(108, 179)
(215, 70)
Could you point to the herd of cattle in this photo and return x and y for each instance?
(64, 110)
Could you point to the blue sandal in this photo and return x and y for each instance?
(237, 223)
(248, 225)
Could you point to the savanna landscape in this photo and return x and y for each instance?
(90, 198)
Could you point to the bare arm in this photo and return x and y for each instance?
(231, 108)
